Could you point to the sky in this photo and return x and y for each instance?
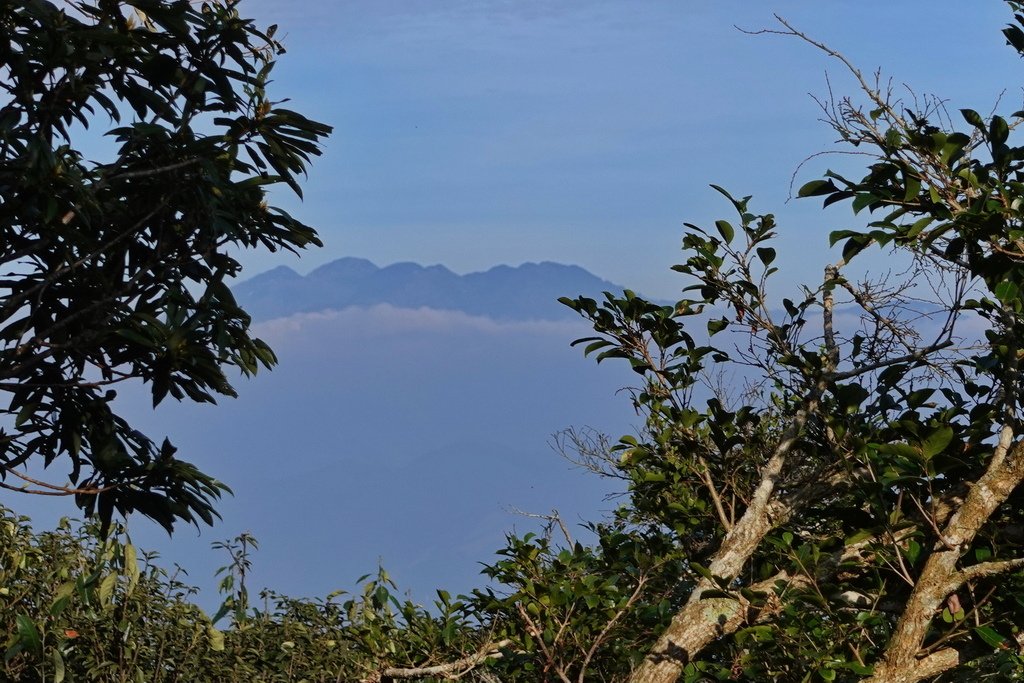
(477, 133)
(587, 132)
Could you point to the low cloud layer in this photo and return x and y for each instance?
(392, 435)
(385, 319)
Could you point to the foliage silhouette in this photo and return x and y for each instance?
(114, 270)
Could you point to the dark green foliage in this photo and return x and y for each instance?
(865, 479)
(583, 612)
(850, 507)
(77, 605)
(115, 268)
(75, 608)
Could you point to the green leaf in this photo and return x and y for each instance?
(915, 229)
(28, 634)
(766, 254)
(990, 636)
(725, 230)
(131, 566)
(594, 346)
(913, 551)
(837, 197)
(816, 188)
(759, 634)
(716, 326)
(26, 412)
(904, 450)
(849, 397)
(858, 668)
(955, 248)
(58, 666)
(107, 588)
(953, 150)
(216, 638)
(1006, 291)
(837, 235)
(858, 536)
(854, 246)
(936, 442)
(974, 118)
(863, 200)
(893, 138)
(998, 130)
(913, 187)
(1015, 37)
(916, 399)
(702, 570)
(740, 204)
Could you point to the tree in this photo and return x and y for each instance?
(852, 512)
(115, 269)
(856, 511)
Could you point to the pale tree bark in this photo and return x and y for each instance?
(448, 671)
(940, 577)
(702, 621)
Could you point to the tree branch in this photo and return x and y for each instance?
(54, 489)
(985, 569)
(939, 576)
(692, 629)
(449, 671)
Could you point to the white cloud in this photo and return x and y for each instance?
(385, 319)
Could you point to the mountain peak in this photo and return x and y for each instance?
(529, 291)
(348, 266)
(278, 274)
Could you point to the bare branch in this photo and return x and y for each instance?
(986, 569)
(551, 520)
(690, 630)
(938, 577)
(705, 474)
(599, 640)
(531, 626)
(449, 671)
(871, 91)
(588, 449)
(53, 489)
(919, 355)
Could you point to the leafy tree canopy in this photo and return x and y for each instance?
(852, 512)
(114, 268)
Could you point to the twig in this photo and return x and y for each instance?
(552, 519)
(54, 489)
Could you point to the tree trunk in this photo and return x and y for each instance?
(702, 621)
(940, 576)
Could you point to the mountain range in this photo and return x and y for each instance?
(526, 292)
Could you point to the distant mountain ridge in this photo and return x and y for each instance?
(526, 292)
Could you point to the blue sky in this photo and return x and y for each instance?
(476, 133)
